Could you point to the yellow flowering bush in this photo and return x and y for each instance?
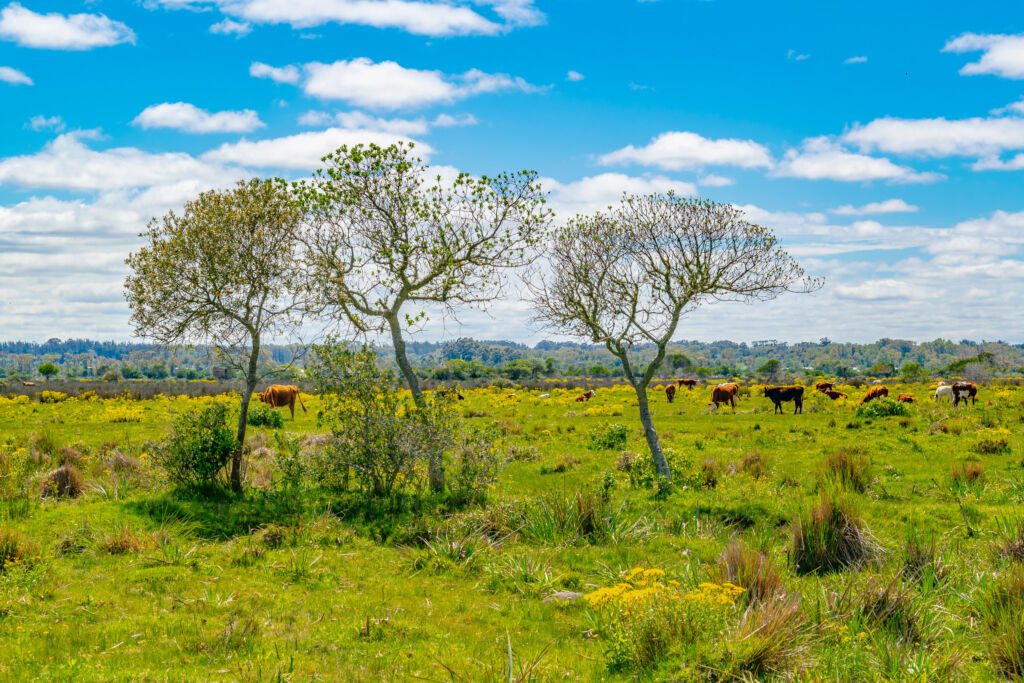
(122, 413)
(647, 614)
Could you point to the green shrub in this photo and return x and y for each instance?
(610, 438)
(831, 536)
(991, 447)
(883, 407)
(199, 446)
(52, 396)
(262, 415)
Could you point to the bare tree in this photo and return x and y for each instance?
(224, 273)
(624, 278)
(386, 240)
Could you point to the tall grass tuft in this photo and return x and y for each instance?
(752, 570)
(769, 639)
(922, 563)
(1001, 612)
(850, 471)
(831, 536)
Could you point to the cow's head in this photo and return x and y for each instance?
(263, 396)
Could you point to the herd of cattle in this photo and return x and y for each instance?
(726, 393)
(281, 396)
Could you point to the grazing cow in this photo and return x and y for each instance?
(779, 395)
(281, 395)
(875, 392)
(586, 395)
(905, 398)
(943, 391)
(670, 392)
(834, 395)
(725, 393)
(824, 386)
(452, 393)
(963, 391)
(28, 384)
(688, 383)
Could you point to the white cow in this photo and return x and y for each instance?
(943, 391)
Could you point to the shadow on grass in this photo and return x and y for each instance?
(219, 514)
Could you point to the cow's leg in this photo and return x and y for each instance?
(291, 406)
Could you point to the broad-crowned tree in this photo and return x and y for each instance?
(225, 272)
(388, 239)
(624, 278)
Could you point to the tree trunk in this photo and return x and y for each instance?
(435, 463)
(243, 417)
(653, 443)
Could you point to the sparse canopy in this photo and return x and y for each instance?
(225, 272)
(386, 239)
(624, 278)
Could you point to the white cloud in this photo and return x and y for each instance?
(1002, 55)
(879, 290)
(357, 120)
(302, 151)
(285, 74)
(230, 27)
(191, 119)
(858, 59)
(420, 17)
(389, 85)
(887, 206)
(59, 31)
(1014, 163)
(574, 76)
(715, 180)
(66, 163)
(795, 56)
(676, 150)
(939, 137)
(13, 76)
(454, 120)
(54, 123)
(822, 159)
(1012, 108)
(595, 193)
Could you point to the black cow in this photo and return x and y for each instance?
(779, 395)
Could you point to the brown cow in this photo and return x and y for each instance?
(725, 393)
(688, 383)
(875, 392)
(28, 384)
(905, 398)
(963, 391)
(670, 392)
(834, 395)
(586, 396)
(281, 395)
(824, 386)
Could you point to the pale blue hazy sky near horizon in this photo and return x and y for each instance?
(884, 142)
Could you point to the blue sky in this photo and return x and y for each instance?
(883, 142)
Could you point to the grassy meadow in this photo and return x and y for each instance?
(133, 581)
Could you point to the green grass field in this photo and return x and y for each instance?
(131, 581)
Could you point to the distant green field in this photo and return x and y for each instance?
(133, 582)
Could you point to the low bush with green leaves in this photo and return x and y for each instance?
(883, 407)
(198, 448)
(262, 415)
(610, 438)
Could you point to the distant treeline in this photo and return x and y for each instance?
(468, 359)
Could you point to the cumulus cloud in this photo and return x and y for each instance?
(1002, 55)
(191, 119)
(887, 206)
(879, 290)
(574, 76)
(285, 74)
(823, 159)
(420, 17)
(67, 163)
(54, 123)
(13, 76)
(389, 85)
(715, 180)
(302, 151)
(230, 27)
(595, 193)
(939, 137)
(57, 31)
(675, 150)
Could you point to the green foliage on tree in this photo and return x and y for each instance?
(48, 370)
